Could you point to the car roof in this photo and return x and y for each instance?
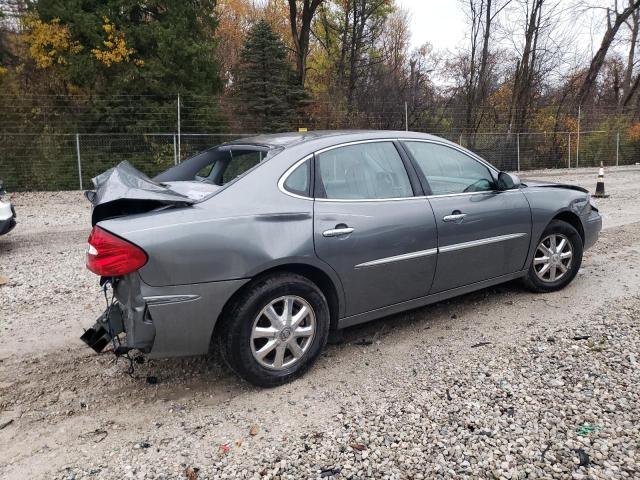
(289, 139)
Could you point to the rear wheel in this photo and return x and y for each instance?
(557, 258)
(275, 330)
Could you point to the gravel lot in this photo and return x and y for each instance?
(500, 383)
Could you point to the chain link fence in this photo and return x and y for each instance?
(61, 142)
(70, 161)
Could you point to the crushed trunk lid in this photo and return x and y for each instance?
(123, 190)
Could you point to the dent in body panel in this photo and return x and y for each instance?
(381, 230)
(547, 202)
(186, 327)
(141, 333)
(497, 227)
(186, 250)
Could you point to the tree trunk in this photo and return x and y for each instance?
(525, 71)
(302, 33)
(598, 59)
(627, 82)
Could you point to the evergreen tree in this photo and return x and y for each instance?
(150, 50)
(267, 82)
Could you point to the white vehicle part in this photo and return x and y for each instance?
(5, 211)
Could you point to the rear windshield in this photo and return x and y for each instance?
(219, 165)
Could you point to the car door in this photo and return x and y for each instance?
(370, 227)
(483, 232)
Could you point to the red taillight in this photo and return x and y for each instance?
(111, 256)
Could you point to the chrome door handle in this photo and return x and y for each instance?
(458, 217)
(336, 232)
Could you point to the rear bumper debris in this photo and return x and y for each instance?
(162, 321)
(108, 326)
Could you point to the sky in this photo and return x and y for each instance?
(442, 23)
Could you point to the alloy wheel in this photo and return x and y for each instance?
(282, 332)
(553, 257)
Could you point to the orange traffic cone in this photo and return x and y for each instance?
(600, 185)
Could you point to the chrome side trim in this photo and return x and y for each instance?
(288, 172)
(355, 142)
(482, 241)
(486, 192)
(360, 200)
(163, 299)
(398, 258)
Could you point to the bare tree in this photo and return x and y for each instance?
(482, 14)
(300, 20)
(524, 77)
(615, 20)
(629, 86)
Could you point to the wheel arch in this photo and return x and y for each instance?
(572, 219)
(332, 292)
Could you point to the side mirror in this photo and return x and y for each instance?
(507, 181)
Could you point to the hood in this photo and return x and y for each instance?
(533, 183)
(123, 190)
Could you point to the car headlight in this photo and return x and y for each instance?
(592, 202)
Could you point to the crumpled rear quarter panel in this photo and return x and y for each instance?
(180, 319)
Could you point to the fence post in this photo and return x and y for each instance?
(518, 147)
(460, 140)
(79, 162)
(617, 148)
(578, 141)
(179, 149)
(175, 150)
(569, 161)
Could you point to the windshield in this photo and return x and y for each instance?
(219, 165)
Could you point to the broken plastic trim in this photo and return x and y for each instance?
(108, 326)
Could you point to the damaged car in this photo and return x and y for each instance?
(7, 213)
(264, 246)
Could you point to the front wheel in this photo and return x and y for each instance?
(557, 258)
(275, 330)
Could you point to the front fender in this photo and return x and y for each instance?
(548, 203)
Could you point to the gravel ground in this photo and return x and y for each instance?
(499, 383)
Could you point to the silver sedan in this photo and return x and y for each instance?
(265, 246)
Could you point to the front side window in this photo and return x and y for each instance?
(450, 171)
(363, 171)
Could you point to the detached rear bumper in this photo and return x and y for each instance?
(169, 321)
(592, 227)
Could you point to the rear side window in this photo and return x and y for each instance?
(363, 171)
(298, 181)
(450, 171)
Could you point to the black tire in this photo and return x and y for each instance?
(234, 334)
(533, 282)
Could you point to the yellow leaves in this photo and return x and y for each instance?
(115, 49)
(3, 70)
(570, 124)
(49, 43)
(634, 131)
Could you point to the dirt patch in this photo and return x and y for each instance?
(429, 391)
